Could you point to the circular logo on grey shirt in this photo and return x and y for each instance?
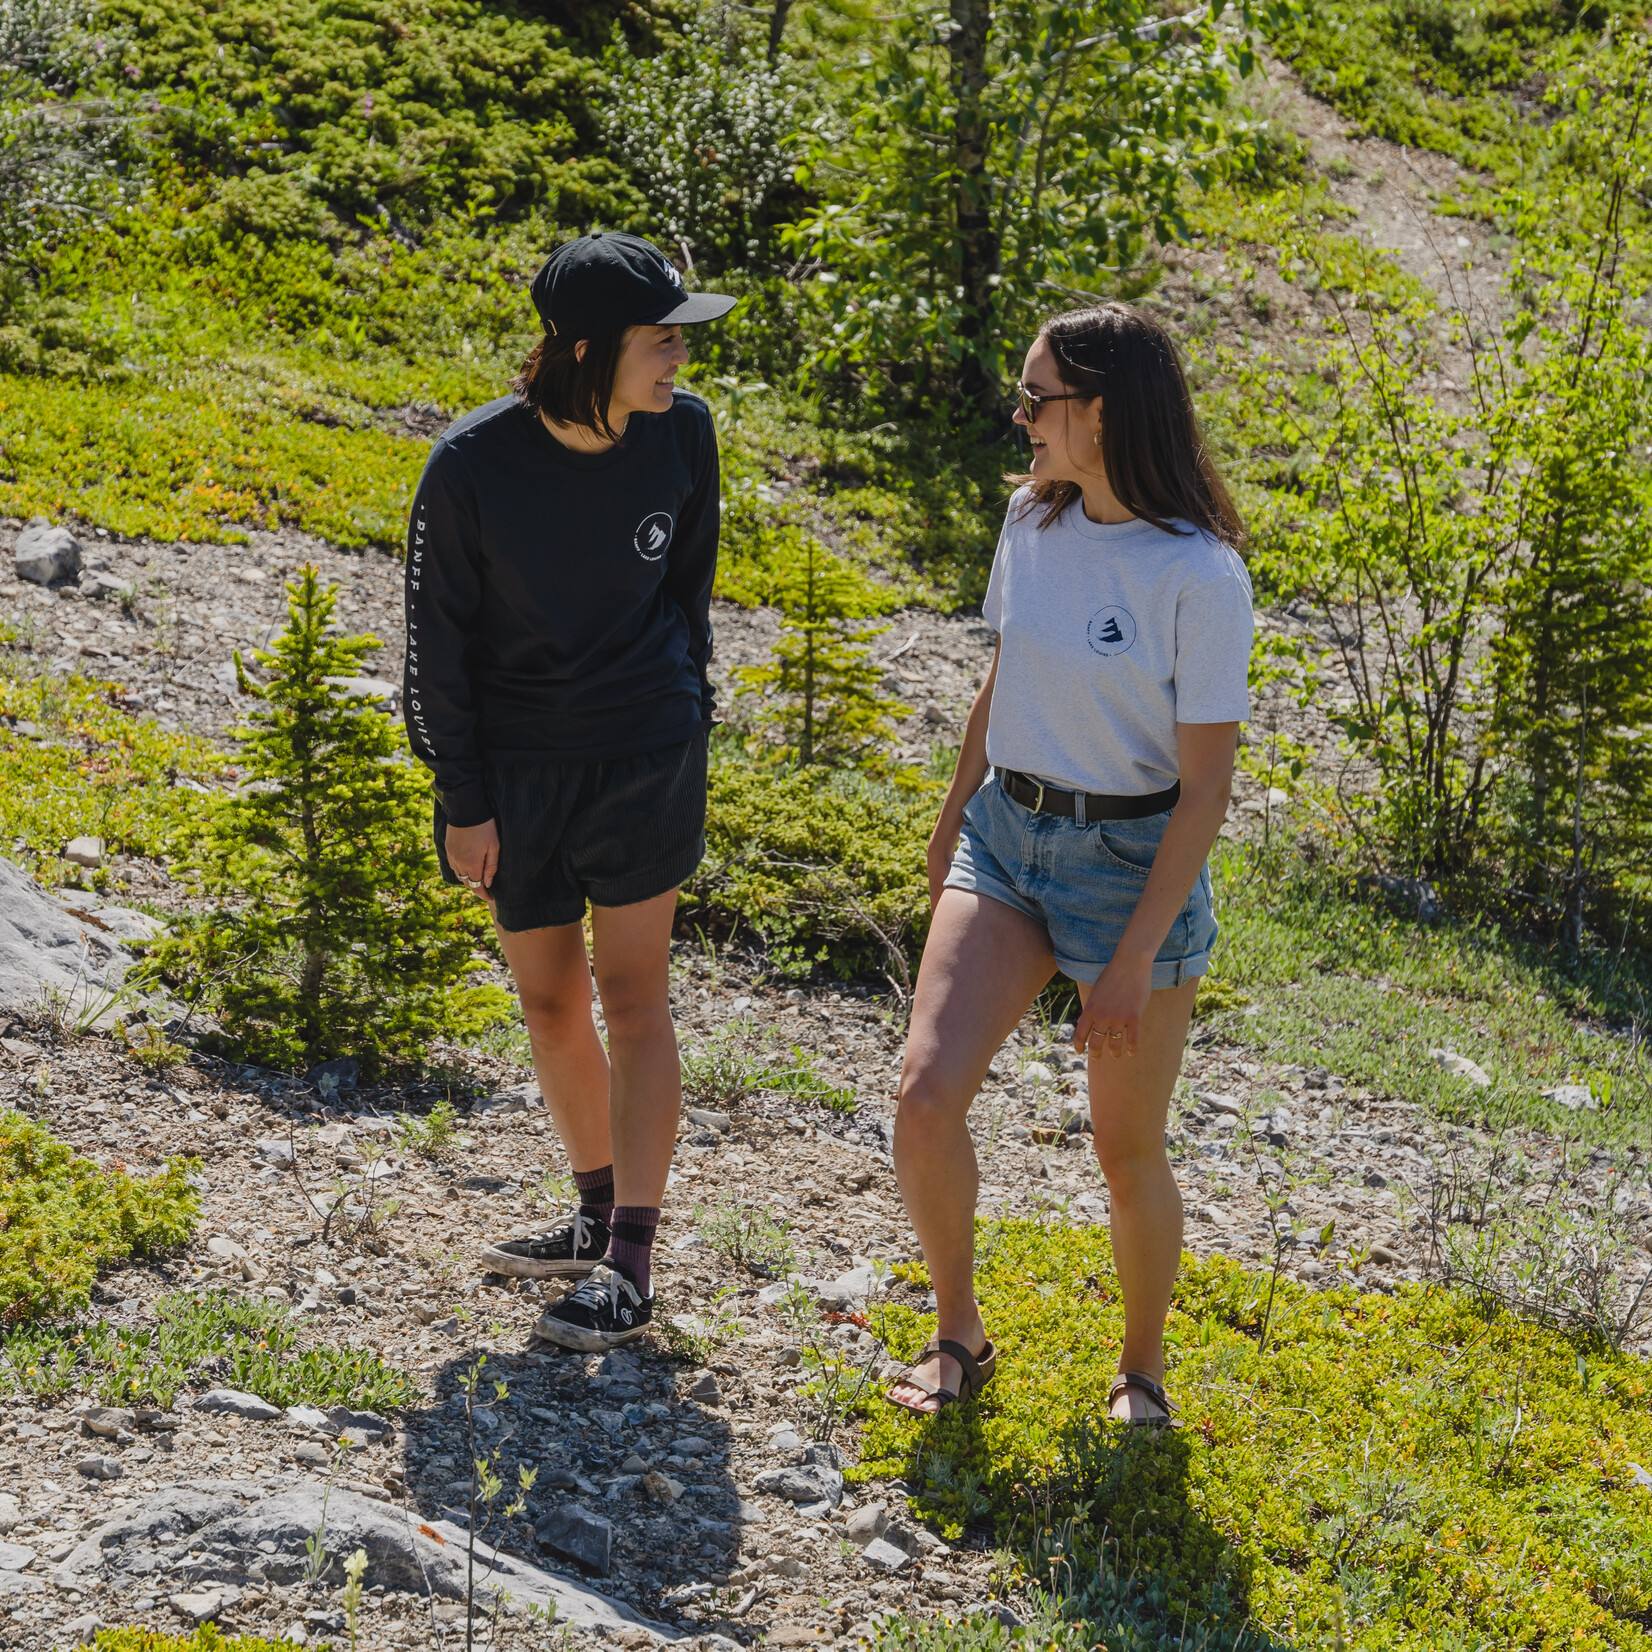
(652, 536)
(1112, 630)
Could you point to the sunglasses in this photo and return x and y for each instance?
(1031, 402)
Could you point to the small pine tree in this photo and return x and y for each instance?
(821, 692)
(335, 935)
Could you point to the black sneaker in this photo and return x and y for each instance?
(568, 1251)
(602, 1313)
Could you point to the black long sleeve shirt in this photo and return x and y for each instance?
(558, 603)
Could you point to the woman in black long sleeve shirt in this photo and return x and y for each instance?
(561, 553)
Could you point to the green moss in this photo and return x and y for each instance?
(1390, 1465)
(62, 1219)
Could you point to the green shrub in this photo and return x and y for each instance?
(1391, 1465)
(208, 1638)
(822, 867)
(91, 769)
(334, 935)
(62, 1219)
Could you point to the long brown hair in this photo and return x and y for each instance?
(555, 382)
(1151, 447)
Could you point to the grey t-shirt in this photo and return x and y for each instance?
(1111, 636)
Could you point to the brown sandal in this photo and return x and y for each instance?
(977, 1371)
(1149, 1390)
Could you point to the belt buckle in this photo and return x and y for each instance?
(1038, 802)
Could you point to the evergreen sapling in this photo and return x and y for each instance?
(335, 935)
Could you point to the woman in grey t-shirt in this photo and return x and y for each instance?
(1093, 779)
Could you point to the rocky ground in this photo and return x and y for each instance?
(701, 1460)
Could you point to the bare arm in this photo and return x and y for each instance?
(966, 781)
(1206, 752)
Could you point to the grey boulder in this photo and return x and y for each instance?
(573, 1532)
(45, 553)
(211, 1534)
(816, 1485)
(44, 949)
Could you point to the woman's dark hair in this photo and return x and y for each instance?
(555, 382)
(1151, 447)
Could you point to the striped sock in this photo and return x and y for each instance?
(631, 1241)
(596, 1192)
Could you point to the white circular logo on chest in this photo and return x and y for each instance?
(652, 536)
(1112, 630)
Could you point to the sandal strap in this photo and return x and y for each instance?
(1143, 1385)
(967, 1363)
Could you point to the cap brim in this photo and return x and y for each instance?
(696, 307)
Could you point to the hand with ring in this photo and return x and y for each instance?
(1114, 1007)
(473, 854)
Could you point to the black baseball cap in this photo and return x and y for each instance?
(607, 281)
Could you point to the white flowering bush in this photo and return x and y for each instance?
(705, 126)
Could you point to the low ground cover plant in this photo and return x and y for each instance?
(81, 765)
(63, 1218)
(208, 1638)
(1392, 1464)
(201, 1338)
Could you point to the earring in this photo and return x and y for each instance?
(1096, 438)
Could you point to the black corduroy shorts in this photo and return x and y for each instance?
(613, 832)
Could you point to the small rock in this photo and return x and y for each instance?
(221, 1244)
(1311, 1270)
(866, 1524)
(885, 1556)
(662, 1487)
(311, 1453)
(232, 1402)
(1462, 1067)
(108, 1421)
(368, 1424)
(1005, 1614)
(79, 1631)
(84, 851)
(1035, 1072)
(1374, 1178)
(709, 1120)
(575, 1533)
(296, 1634)
(14, 1557)
(1642, 1478)
(45, 553)
(634, 1465)
(1575, 1098)
(338, 1074)
(704, 1388)
(692, 1445)
(99, 1468)
(276, 1152)
(785, 1439)
(11, 1514)
(1383, 1256)
(199, 1606)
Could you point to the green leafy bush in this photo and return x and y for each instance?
(1390, 1465)
(823, 867)
(334, 934)
(62, 1219)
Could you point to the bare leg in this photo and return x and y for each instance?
(1129, 1098)
(983, 964)
(632, 945)
(553, 981)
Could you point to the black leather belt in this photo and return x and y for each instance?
(1049, 800)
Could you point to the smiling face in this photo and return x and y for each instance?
(1063, 434)
(646, 371)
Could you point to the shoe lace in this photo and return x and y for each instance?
(601, 1288)
(581, 1224)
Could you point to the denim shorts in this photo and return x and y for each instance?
(1081, 883)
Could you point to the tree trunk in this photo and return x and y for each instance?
(777, 28)
(978, 248)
